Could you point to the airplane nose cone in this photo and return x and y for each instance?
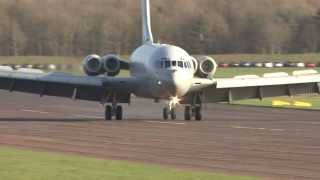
(179, 83)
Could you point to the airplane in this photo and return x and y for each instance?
(160, 72)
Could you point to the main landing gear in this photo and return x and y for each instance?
(113, 111)
(167, 111)
(192, 111)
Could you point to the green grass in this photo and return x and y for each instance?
(231, 72)
(29, 165)
(315, 101)
(310, 57)
(39, 59)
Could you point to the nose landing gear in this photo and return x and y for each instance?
(114, 110)
(191, 111)
(169, 112)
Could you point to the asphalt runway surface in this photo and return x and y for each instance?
(266, 142)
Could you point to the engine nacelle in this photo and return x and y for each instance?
(111, 65)
(92, 65)
(195, 64)
(207, 67)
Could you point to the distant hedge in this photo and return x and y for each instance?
(79, 27)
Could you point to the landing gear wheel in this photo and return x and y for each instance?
(198, 115)
(165, 113)
(187, 113)
(119, 113)
(108, 113)
(173, 114)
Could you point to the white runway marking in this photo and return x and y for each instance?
(161, 122)
(34, 111)
(253, 128)
(87, 116)
(243, 127)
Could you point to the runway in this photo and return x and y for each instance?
(266, 142)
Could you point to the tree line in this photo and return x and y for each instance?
(81, 27)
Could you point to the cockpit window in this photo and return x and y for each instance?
(159, 64)
(186, 65)
(167, 64)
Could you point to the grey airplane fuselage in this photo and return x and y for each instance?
(164, 71)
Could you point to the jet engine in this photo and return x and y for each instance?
(195, 64)
(111, 65)
(207, 67)
(92, 65)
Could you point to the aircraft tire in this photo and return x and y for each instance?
(165, 113)
(187, 113)
(108, 113)
(198, 115)
(173, 114)
(119, 113)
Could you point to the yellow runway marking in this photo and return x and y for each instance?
(280, 103)
(302, 104)
(293, 103)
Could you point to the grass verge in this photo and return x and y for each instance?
(24, 165)
(308, 57)
(314, 101)
(231, 72)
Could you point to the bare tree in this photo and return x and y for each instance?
(80, 27)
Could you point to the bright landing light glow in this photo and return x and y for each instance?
(174, 102)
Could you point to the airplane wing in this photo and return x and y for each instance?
(255, 87)
(124, 65)
(65, 85)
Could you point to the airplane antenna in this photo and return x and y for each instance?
(146, 22)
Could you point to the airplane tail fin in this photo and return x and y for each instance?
(146, 22)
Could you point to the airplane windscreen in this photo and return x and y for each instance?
(174, 63)
(167, 64)
(186, 65)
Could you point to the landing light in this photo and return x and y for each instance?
(174, 102)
